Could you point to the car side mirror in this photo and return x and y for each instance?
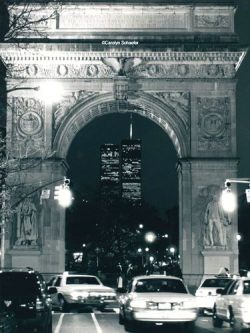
(121, 290)
(220, 291)
(52, 290)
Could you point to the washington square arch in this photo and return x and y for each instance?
(173, 63)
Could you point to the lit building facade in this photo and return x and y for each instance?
(110, 170)
(131, 170)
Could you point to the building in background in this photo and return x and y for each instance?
(121, 169)
(110, 170)
(131, 167)
(131, 170)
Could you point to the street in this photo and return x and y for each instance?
(107, 322)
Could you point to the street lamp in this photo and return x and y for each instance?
(228, 198)
(238, 237)
(63, 194)
(51, 91)
(150, 237)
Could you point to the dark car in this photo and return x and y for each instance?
(26, 295)
(7, 319)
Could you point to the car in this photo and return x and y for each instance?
(7, 319)
(25, 293)
(157, 300)
(206, 293)
(81, 290)
(233, 305)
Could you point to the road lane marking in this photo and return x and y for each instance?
(59, 324)
(97, 326)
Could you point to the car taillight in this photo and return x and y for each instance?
(39, 304)
(138, 304)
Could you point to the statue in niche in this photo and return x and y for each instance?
(216, 223)
(27, 229)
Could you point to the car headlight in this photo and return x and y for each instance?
(139, 304)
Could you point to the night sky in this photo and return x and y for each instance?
(159, 179)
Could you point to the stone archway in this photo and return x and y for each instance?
(188, 92)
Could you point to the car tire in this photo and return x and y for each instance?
(129, 326)
(101, 308)
(64, 306)
(49, 327)
(189, 326)
(121, 319)
(231, 319)
(217, 322)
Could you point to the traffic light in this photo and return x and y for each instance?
(57, 192)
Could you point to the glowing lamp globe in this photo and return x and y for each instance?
(65, 197)
(150, 237)
(228, 201)
(51, 91)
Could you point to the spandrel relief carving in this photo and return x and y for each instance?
(179, 102)
(28, 136)
(61, 109)
(214, 124)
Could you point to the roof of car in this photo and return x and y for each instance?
(156, 276)
(77, 274)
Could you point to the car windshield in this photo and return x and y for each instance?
(216, 283)
(81, 280)
(18, 284)
(160, 285)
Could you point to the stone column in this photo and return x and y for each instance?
(43, 248)
(203, 250)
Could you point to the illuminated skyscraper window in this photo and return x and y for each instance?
(110, 170)
(131, 170)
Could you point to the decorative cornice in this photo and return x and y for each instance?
(16, 55)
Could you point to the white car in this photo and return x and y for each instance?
(157, 299)
(206, 293)
(233, 305)
(81, 290)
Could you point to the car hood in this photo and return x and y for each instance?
(162, 297)
(88, 287)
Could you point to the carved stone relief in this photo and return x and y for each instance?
(179, 102)
(50, 70)
(160, 70)
(212, 21)
(131, 67)
(214, 124)
(215, 224)
(28, 138)
(61, 109)
(26, 224)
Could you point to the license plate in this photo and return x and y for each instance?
(164, 306)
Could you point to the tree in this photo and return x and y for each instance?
(21, 18)
(112, 227)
